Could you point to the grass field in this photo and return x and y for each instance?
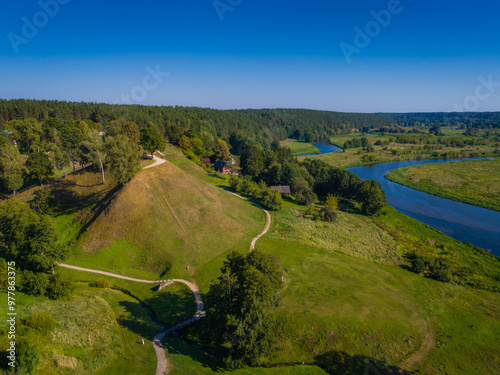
(354, 156)
(299, 147)
(473, 182)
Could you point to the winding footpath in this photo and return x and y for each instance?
(161, 366)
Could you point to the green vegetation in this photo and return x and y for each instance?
(240, 308)
(349, 303)
(381, 147)
(473, 182)
(299, 147)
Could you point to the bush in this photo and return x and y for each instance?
(271, 199)
(35, 283)
(27, 358)
(100, 284)
(43, 202)
(42, 322)
(59, 287)
(328, 214)
(417, 263)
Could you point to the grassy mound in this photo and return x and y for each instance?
(165, 221)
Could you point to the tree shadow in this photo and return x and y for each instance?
(338, 362)
(178, 346)
(103, 205)
(137, 322)
(172, 308)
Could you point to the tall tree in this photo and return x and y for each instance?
(11, 167)
(241, 304)
(28, 237)
(222, 150)
(39, 166)
(123, 159)
(94, 146)
(151, 140)
(27, 134)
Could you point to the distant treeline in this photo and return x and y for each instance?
(484, 120)
(259, 126)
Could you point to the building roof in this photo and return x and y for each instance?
(206, 160)
(285, 189)
(220, 164)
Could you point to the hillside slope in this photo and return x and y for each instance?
(167, 219)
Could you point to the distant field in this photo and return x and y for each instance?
(393, 151)
(299, 147)
(474, 182)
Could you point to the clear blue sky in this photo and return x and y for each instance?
(260, 54)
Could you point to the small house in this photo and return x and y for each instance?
(222, 167)
(285, 189)
(206, 161)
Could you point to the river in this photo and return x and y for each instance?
(475, 225)
(324, 147)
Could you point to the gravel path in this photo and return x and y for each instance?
(157, 162)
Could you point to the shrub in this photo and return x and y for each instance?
(417, 263)
(27, 358)
(42, 322)
(35, 283)
(100, 284)
(272, 199)
(59, 287)
(327, 213)
(43, 202)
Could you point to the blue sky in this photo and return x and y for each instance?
(419, 55)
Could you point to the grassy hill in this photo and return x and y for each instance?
(167, 223)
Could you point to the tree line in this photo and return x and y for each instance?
(262, 126)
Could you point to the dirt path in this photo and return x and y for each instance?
(161, 366)
(268, 220)
(422, 353)
(157, 162)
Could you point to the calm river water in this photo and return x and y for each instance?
(475, 225)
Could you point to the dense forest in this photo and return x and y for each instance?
(260, 126)
(483, 120)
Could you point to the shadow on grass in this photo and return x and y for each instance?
(172, 308)
(337, 362)
(103, 204)
(175, 345)
(139, 321)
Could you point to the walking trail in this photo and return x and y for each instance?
(161, 366)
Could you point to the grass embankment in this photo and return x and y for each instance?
(473, 182)
(393, 151)
(299, 147)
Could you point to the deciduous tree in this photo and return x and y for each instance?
(123, 158)
(11, 167)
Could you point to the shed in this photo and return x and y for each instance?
(285, 189)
